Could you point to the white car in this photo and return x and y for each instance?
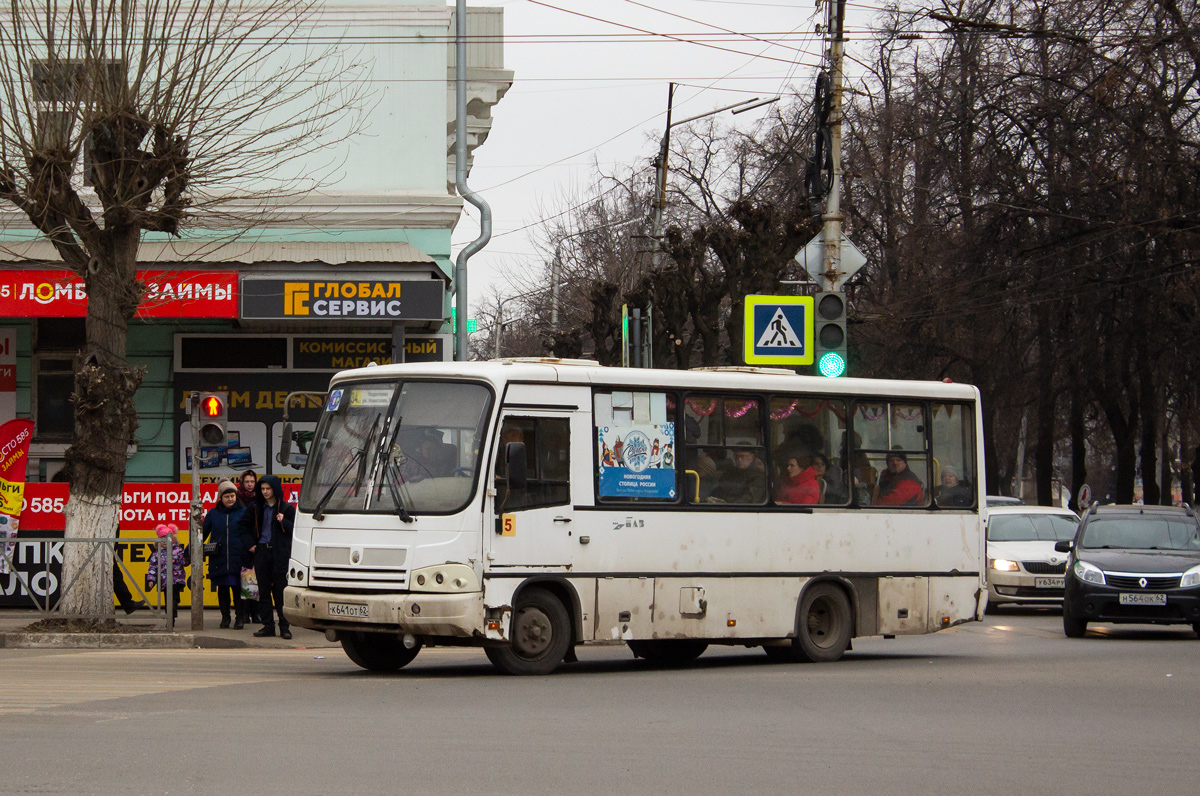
(1022, 565)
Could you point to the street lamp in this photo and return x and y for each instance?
(660, 192)
(500, 318)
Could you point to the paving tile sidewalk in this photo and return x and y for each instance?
(13, 620)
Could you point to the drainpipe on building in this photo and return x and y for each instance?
(460, 181)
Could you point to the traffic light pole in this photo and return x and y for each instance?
(195, 527)
(831, 253)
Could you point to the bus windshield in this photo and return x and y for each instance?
(397, 448)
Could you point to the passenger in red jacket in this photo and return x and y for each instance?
(897, 484)
(800, 484)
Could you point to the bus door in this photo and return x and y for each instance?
(532, 526)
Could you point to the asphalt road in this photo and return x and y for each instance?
(1009, 706)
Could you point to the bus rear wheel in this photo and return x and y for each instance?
(668, 652)
(378, 652)
(541, 635)
(824, 632)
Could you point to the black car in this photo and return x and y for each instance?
(1133, 564)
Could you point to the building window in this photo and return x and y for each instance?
(65, 90)
(56, 342)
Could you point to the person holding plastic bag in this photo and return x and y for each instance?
(266, 529)
(169, 561)
(225, 559)
(246, 482)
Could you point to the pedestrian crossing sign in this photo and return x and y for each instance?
(779, 330)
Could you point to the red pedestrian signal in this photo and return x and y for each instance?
(214, 409)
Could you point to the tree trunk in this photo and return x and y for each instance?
(1166, 475)
(1078, 445)
(105, 422)
(1044, 452)
(1187, 467)
(991, 460)
(1149, 426)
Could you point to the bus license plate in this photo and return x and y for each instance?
(1047, 583)
(353, 610)
(1127, 598)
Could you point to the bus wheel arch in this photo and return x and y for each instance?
(566, 594)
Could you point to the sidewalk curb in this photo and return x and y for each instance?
(97, 640)
(144, 641)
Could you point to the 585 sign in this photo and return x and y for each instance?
(44, 505)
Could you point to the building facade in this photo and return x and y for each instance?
(358, 272)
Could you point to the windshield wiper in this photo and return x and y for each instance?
(401, 508)
(359, 458)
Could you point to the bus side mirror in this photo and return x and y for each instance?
(514, 459)
(285, 445)
(1063, 547)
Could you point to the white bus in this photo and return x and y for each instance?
(528, 506)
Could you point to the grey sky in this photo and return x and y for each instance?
(587, 92)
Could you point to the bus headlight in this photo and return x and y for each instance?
(444, 579)
(296, 575)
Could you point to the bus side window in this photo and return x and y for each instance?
(547, 459)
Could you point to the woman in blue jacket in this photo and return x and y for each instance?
(225, 561)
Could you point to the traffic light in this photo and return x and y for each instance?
(214, 417)
(830, 334)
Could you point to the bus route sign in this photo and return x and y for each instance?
(778, 330)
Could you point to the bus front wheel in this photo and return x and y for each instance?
(378, 652)
(541, 635)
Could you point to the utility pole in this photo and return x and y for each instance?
(461, 353)
(660, 188)
(832, 249)
(195, 528)
(664, 150)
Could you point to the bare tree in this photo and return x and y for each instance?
(124, 117)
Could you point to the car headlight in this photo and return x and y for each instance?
(1191, 577)
(1003, 565)
(1089, 573)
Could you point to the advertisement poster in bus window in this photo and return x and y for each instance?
(637, 461)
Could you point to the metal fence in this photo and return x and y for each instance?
(48, 601)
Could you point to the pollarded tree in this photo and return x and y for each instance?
(125, 117)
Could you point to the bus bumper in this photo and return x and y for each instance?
(459, 615)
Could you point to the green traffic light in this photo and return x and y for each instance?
(831, 365)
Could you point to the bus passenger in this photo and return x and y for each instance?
(831, 479)
(742, 481)
(897, 484)
(953, 492)
(801, 485)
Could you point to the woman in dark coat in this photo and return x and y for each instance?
(225, 561)
(266, 529)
